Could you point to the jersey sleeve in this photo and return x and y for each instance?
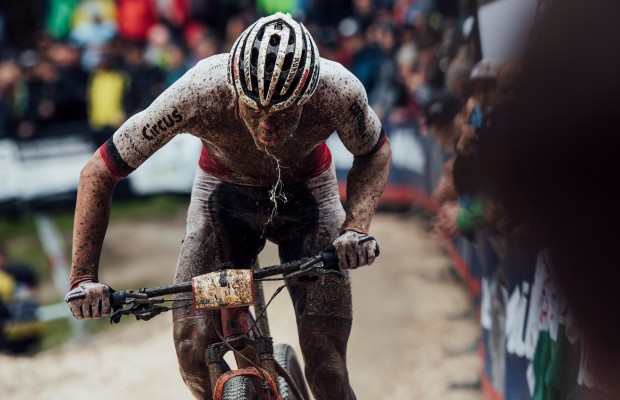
(357, 124)
(174, 111)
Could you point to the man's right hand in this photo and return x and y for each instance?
(89, 300)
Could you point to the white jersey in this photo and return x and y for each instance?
(203, 104)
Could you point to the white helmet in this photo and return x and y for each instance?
(274, 64)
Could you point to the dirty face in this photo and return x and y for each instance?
(270, 130)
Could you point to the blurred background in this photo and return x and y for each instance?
(435, 71)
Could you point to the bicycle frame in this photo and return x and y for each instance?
(253, 350)
(254, 356)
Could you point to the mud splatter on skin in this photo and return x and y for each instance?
(365, 184)
(209, 110)
(92, 214)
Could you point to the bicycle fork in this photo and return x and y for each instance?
(254, 356)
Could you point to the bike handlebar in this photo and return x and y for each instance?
(324, 263)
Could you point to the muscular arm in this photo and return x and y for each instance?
(92, 214)
(176, 110)
(361, 133)
(365, 184)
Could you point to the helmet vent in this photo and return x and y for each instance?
(270, 62)
(274, 40)
(274, 64)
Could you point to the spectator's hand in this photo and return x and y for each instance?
(495, 217)
(445, 190)
(89, 300)
(445, 222)
(355, 250)
(467, 140)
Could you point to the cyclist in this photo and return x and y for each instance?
(263, 113)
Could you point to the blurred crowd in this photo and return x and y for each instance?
(460, 124)
(87, 65)
(509, 160)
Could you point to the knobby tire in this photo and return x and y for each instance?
(239, 388)
(286, 357)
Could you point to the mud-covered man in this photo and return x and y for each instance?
(263, 113)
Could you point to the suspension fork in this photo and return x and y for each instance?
(236, 322)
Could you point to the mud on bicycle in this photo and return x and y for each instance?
(264, 371)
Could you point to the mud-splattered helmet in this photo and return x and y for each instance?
(274, 64)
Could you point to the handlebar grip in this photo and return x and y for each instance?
(118, 298)
(330, 258)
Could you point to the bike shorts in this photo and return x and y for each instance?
(229, 223)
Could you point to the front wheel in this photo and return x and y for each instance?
(286, 357)
(239, 388)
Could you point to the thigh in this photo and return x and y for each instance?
(314, 224)
(216, 233)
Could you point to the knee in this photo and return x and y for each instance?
(327, 377)
(190, 345)
(325, 367)
(323, 343)
(330, 368)
(188, 340)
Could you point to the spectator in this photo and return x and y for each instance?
(457, 78)
(364, 12)
(93, 34)
(387, 90)
(105, 93)
(175, 14)
(508, 76)
(71, 81)
(135, 18)
(445, 117)
(407, 108)
(206, 46)
(193, 34)
(364, 57)
(44, 98)
(178, 65)
(105, 9)
(439, 116)
(158, 41)
(20, 329)
(234, 27)
(483, 82)
(553, 166)
(146, 81)
(9, 78)
(59, 18)
(217, 14)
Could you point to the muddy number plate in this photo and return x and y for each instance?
(227, 288)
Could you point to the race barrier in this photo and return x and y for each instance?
(48, 168)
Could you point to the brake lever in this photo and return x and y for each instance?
(334, 272)
(150, 312)
(115, 317)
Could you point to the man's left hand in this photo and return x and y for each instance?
(355, 249)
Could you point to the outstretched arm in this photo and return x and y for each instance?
(365, 183)
(92, 214)
(361, 133)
